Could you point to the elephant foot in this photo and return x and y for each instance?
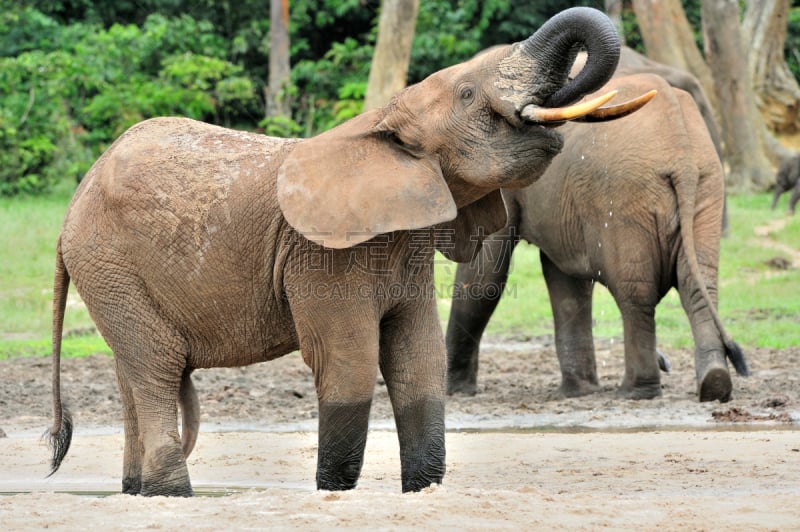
(420, 427)
(461, 386)
(131, 485)
(462, 382)
(640, 389)
(715, 385)
(171, 478)
(571, 387)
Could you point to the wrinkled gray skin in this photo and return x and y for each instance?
(195, 246)
(635, 205)
(788, 178)
(632, 62)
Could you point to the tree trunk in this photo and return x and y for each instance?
(740, 123)
(277, 93)
(668, 39)
(776, 91)
(387, 75)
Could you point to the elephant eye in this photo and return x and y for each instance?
(467, 94)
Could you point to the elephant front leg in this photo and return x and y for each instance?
(477, 290)
(342, 437)
(341, 347)
(571, 301)
(413, 364)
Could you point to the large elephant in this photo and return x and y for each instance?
(195, 246)
(635, 205)
(788, 178)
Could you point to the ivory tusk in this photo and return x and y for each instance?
(618, 111)
(559, 114)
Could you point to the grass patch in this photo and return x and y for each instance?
(79, 346)
(759, 304)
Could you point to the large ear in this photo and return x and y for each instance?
(353, 182)
(461, 239)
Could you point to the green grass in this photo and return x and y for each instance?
(760, 305)
(29, 228)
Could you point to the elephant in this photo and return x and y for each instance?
(635, 205)
(788, 178)
(196, 246)
(632, 62)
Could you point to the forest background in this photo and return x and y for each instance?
(74, 74)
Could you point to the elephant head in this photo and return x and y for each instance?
(439, 152)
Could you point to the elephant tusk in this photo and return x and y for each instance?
(535, 113)
(618, 111)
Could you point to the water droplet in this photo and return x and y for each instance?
(605, 224)
(599, 244)
(610, 214)
(583, 157)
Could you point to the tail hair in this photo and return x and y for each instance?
(736, 356)
(58, 440)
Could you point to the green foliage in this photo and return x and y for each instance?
(62, 106)
(77, 73)
(791, 48)
(332, 89)
(34, 123)
(280, 126)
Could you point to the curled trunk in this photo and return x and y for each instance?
(564, 35)
(536, 70)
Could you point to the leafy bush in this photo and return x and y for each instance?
(65, 99)
(77, 73)
(34, 123)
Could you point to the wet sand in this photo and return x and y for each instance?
(518, 454)
(670, 480)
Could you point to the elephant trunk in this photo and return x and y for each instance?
(562, 37)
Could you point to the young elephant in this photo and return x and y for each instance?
(637, 206)
(195, 246)
(788, 178)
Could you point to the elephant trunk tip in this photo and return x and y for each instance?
(58, 439)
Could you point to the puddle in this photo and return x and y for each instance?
(202, 491)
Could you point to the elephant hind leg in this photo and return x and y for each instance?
(715, 384)
(150, 357)
(190, 413)
(476, 292)
(153, 376)
(133, 453)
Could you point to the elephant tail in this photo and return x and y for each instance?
(190, 413)
(686, 208)
(59, 435)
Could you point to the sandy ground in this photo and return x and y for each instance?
(518, 454)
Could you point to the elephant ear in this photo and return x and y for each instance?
(356, 181)
(461, 239)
